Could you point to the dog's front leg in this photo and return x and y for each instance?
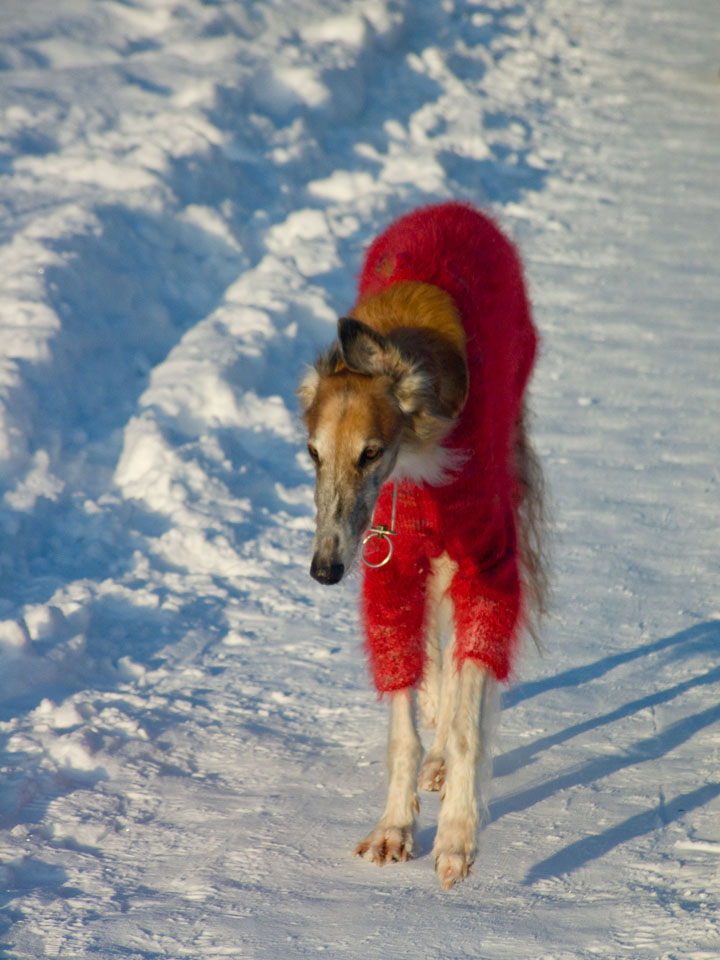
(469, 760)
(393, 837)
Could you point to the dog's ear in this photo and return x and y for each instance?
(307, 388)
(326, 364)
(366, 351)
(363, 349)
(413, 391)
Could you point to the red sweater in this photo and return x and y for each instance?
(471, 518)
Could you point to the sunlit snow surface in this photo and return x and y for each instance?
(189, 742)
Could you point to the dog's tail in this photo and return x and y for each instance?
(531, 517)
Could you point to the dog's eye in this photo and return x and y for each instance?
(369, 454)
(314, 456)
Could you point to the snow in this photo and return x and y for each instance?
(189, 744)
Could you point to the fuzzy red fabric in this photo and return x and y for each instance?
(471, 518)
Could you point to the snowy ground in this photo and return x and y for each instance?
(189, 745)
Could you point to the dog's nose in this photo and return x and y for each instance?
(326, 572)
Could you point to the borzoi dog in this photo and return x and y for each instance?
(416, 428)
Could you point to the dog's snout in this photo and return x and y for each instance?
(326, 572)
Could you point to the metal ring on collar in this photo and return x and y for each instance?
(382, 533)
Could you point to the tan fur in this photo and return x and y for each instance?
(411, 303)
(355, 408)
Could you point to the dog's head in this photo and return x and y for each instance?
(370, 403)
(356, 401)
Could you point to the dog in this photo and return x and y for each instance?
(416, 418)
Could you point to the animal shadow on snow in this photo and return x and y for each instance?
(701, 640)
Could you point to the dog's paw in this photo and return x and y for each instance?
(451, 867)
(432, 774)
(385, 844)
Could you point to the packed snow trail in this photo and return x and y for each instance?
(189, 745)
